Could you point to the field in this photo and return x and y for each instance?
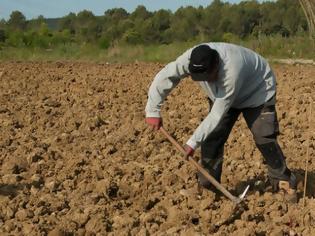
(76, 157)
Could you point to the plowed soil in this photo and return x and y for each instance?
(76, 157)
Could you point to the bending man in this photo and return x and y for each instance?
(236, 80)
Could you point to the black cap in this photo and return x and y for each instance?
(202, 58)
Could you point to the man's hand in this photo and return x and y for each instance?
(189, 151)
(154, 122)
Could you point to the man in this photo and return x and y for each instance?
(237, 80)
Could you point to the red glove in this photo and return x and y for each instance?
(189, 151)
(154, 122)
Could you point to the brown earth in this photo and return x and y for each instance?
(78, 159)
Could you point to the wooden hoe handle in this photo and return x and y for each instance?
(200, 168)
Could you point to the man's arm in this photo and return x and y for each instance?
(221, 105)
(164, 82)
(218, 110)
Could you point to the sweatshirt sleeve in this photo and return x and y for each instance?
(164, 82)
(221, 105)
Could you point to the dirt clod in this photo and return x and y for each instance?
(76, 157)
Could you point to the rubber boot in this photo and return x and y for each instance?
(287, 185)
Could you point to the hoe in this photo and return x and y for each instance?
(212, 180)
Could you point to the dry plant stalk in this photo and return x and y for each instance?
(308, 7)
(307, 150)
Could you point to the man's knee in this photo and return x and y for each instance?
(266, 127)
(210, 152)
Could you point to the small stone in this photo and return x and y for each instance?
(101, 186)
(10, 178)
(52, 103)
(51, 185)
(34, 157)
(56, 232)
(15, 165)
(24, 214)
(9, 213)
(171, 231)
(81, 232)
(9, 226)
(37, 180)
(81, 218)
(143, 231)
(276, 232)
(292, 232)
(34, 190)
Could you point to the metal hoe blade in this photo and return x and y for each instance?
(244, 193)
(241, 197)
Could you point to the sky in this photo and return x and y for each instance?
(59, 8)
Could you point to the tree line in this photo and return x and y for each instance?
(219, 21)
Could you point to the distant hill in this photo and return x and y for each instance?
(52, 23)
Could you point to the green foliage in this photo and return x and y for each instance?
(17, 21)
(60, 38)
(104, 42)
(15, 39)
(186, 24)
(132, 37)
(249, 21)
(36, 24)
(2, 36)
(140, 13)
(269, 46)
(29, 37)
(229, 37)
(87, 26)
(68, 23)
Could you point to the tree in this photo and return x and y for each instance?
(68, 23)
(86, 24)
(84, 18)
(2, 31)
(140, 13)
(2, 36)
(153, 28)
(212, 16)
(293, 24)
(250, 16)
(115, 23)
(186, 23)
(116, 14)
(219, 21)
(132, 36)
(36, 23)
(17, 21)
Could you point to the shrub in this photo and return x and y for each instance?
(132, 37)
(2, 36)
(15, 39)
(104, 42)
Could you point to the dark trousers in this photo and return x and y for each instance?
(263, 124)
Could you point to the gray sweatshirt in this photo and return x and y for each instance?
(245, 80)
